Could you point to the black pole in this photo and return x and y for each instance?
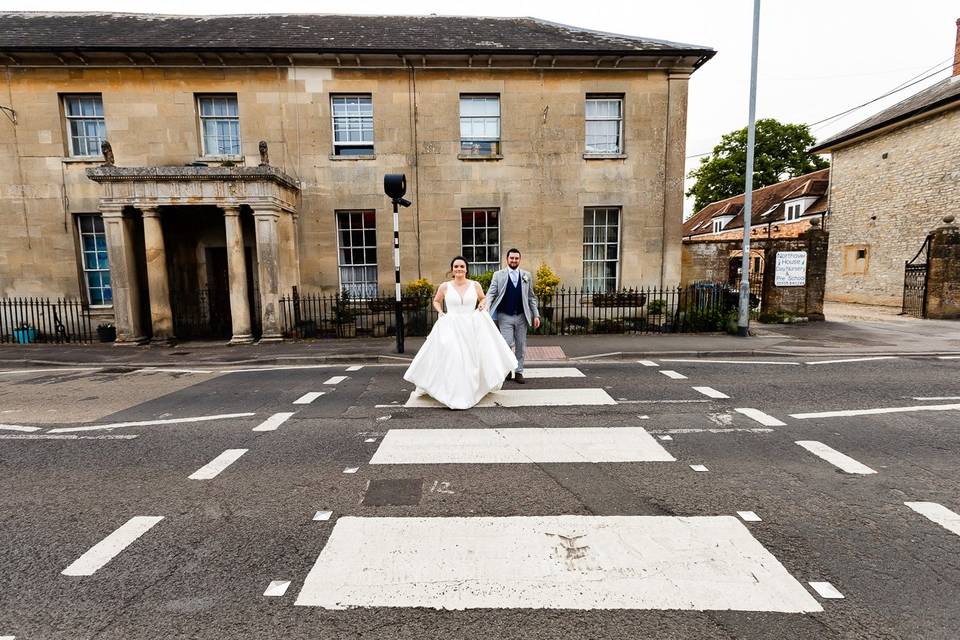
(396, 264)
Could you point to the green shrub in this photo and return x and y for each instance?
(656, 307)
(545, 283)
(484, 279)
(418, 289)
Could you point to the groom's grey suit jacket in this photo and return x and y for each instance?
(498, 288)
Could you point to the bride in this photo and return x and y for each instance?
(464, 358)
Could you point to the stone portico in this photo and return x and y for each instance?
(146, 197)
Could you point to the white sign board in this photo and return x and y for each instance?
(791, 270)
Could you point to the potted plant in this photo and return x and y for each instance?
(106, 332)
(417, 294)
(24, 334)
(344, 315)
(544, 287)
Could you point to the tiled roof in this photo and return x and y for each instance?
(36, 31)
(766, 200)
(943, 93)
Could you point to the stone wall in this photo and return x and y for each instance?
(943, 274)
(887, 193)
(541, 184)
(806, 300)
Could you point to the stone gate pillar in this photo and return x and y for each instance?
(943, 272)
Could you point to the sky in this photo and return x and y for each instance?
(816, 58)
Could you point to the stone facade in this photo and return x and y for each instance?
(943, 274)
(887, 193)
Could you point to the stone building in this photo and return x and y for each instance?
(564, 142)
(893, 178)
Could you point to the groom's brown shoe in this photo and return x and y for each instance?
(518, 378)
(509, 375)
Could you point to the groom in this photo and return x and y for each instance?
(514, 307)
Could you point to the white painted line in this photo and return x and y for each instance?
(336, 380)
(273, 422)
(551, 562)
(553, 372)
(276, 368)
(710, 392)
(698, 467)
(16, 427)
(351, 469)
(937, 513)
(8, 638)
(370, 440)
(277, 588)
(714, 430)
(665, 437)
(171, 370)
(730, 361)
(59, 370)
(834, 457)
(382, 418)
(519, 446)
(526, 398)
(322, 515)
(660, 401)
(648, 363)
(49, 436)
(874, 412)
(213, 468)
(307, 398)
(948, 357)
(937, 398)
(643, 417)
(107, 549)
(355, 367)
(673, 374)
(749, 516)
(761, 417)
(826, 590)
(853, 360)
(147, 423)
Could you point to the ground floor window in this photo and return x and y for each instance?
(357, 251)
(601, 248)
(480, 239)
(94, 260)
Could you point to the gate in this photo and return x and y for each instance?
(915, 283)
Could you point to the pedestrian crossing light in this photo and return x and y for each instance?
(395, 186)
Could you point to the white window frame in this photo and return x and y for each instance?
(99, 253)
(793, 211)
(591, 245)
(359, 117)
(208, 153)
(485, 119)
(618, 118)
(469, 250)
(73, 142)
(364, 288)
(717, 226)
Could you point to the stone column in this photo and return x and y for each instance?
(237, 269)
(674, 152)
(123, 275)
(268, 262)
(161, 315)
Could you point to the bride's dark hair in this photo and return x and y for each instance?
(464, 262)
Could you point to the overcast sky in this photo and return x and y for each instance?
(817, 58)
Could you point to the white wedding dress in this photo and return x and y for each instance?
(464, 358)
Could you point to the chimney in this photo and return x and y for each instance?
(956, 52)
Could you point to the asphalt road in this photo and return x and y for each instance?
(72, 477)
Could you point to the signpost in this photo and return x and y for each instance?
(395, 186)
(791, 269)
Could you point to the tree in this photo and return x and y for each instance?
(780, 152)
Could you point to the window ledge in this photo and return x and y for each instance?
(481, 158)
(83, 160)
(238, 160)
(357, 157)
(604, 156)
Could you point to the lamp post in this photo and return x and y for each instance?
(395, 186)
(743, 322)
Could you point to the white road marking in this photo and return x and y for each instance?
(553, 372)
(551, 562)
(276, 368)
(939, 514)
(213, 468)
(58, 370)
(643, 417)
(729, 361)
(355, 367)
(673, 374)
(273, 422)
(853, 360)
(717, 430)
(874, 412)
(370, 440)
(147, 423)
(937, 398)
(698, 467)
(648, 363)
(48, 436)
(382, 418)
(665, 437)
(948, 357)
(826, 590)
(16, 427)
(172, 370)
(8, 638)
(710, 392)
(322, 515)
(277, 588)
(307, 398)
(749, 516)
(761, 417)
(659, 401)
(525, 398)
(335, 380)
(834, 457)
(107, 549)
(351, 469)
(519, 446)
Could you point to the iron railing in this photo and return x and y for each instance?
(915, 283)
(30, 320)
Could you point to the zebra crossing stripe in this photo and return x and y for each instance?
(525, 398)
(553, 372)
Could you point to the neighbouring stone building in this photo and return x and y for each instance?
(564, 142)
(893, 178)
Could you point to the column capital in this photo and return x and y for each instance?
(110, 210)
(230, 209)
(149, 211)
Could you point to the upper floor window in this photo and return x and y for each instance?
(480, 239)
(604, 116)
(352, 125)
(219, 125)
(94, 260)
(794, 211)
(480, 125)
(601, 249)
(85, 124)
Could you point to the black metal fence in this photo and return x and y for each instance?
(30, 320)
(205, 313)
(915, 283)
(695, 308)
